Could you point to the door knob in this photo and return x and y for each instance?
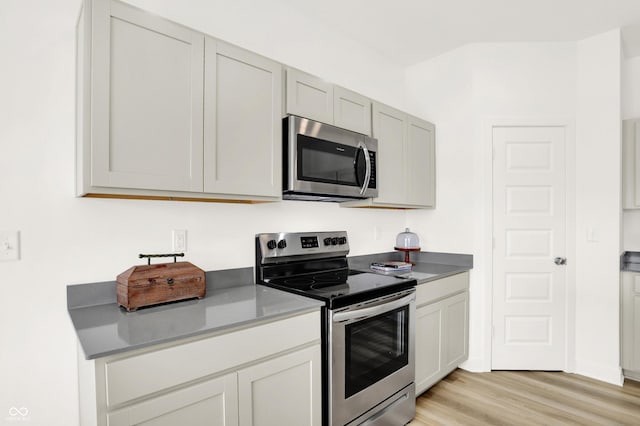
(560, 260)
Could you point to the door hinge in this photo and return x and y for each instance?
(493, 243)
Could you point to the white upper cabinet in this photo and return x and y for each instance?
(162, 113)
(351, 110)
(631, 164)
(242, 136)
(420, 163)
(146, 108)
(311, 97)
(390, 128)
(406, 161)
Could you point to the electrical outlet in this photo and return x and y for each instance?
(9, 245)
(179, 240)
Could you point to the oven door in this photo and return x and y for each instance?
(371, 354)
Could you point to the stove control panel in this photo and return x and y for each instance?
(309, 242)
(284, 244)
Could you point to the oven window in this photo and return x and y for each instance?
(375, 348)
(328, 162)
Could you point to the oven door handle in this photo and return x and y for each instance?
(373, 310)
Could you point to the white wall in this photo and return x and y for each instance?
(66, 240)
(463, 91)
(273, 28)
(598, 206)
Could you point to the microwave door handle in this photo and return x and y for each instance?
(367, 161)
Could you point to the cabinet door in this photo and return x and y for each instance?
(456, 331)
(243, 130)
(213, 402)
(282, 391)
(429, 343)
(309, 96)
(631, 164)
(421, 177)
(389, 127)
(630, 321)
(146, 101)
(351, 111)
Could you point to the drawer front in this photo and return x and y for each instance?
(432, 291)
(140, 375)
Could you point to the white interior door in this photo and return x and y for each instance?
(529, 301)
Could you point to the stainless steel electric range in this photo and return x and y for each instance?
(367, 325)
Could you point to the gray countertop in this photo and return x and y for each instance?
(232, 301)
(630, 261)
(428, 266)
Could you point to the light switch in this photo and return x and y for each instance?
(9, 245)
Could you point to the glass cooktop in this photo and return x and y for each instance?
(341, 288)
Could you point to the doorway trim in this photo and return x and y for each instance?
(487, 125)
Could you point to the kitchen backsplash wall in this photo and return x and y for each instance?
(277, 30)
(67, 240)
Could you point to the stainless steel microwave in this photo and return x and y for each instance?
(327, 163)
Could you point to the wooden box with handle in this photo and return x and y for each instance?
(146, 285)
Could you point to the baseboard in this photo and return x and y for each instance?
(604, 373)
(475, 365)
(633, 375)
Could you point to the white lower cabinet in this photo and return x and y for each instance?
(268, 374)
(214, 402)
(281, 391)
(630, 324)
(442, 328)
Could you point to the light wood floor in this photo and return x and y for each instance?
(520, 398)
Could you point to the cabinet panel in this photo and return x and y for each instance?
(433, 291)
(309, 96)
(389, 128)
(630, 164)
(635, 343)
(132, 377)
(420, 162)
(351, 111)
(147, 101)
(213, 402)
(442, 328)
(243, 134)
(457, 329)
(282, 391)
(428, 345)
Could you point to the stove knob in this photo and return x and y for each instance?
(342, 240)
(271, 244)
(334, 241)
(327, 241)
(282, 244)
